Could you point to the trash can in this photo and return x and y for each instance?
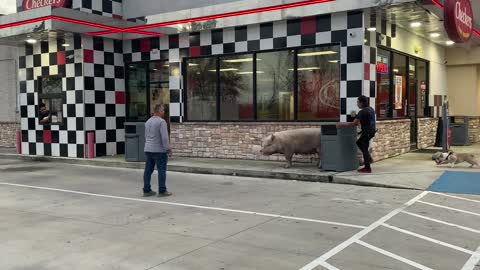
(459, 131)
(339, 148)
(134, 141)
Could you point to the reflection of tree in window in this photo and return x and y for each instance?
(275, 81)
(201, 89)
(319, 84)
(50, 95)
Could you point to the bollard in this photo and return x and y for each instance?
(91, 145)
(19, 141)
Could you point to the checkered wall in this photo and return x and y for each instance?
(104, 93)
(108, 8)
(344, 28)
(93, 96)
(44, 59)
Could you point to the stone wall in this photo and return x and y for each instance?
(474, 129)
(392, 139)
(240, 140)
(427, 132)
(8, 134)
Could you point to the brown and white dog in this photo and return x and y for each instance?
(455, 158)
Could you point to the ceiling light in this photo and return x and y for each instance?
(239, 60)
(31, 41)
(415, 24)
(317, 53)
(66, 45)
(372, 29)
(434, 35)
(395, 70)
(192, 64)
(333, 61)
(306, 68)
(449, 43)
(223, 69)
(250, 72)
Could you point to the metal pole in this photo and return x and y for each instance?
(446, 127)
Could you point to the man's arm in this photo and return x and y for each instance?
(164, 136)
(355, 123)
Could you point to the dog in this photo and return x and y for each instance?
(455, 158)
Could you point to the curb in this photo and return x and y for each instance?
(304, 177)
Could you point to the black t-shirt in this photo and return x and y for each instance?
(367, 119)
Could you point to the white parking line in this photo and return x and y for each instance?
(450, 208)
(328, 266)
(394, 256)
(426, 238)
(455, 197)
(190, 206)
(473, 261)
(442, 222)
(318, 261)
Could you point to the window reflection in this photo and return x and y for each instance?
(202, 89)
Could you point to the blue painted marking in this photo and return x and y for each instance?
(457, 182)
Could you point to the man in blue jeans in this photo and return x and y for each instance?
(157, 150)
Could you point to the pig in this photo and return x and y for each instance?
(304, 141)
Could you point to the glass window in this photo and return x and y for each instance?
(236, 87)
(275, 85)
(399, 85)
(383, 84)
(319, 83)
(159, 86)
(422, 88)
(137, 92)
(50, 105)
(202, 89)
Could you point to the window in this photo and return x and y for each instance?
(383, 84)
(319, 83)
(295, 84)
(202, 89)
(137, 92)
(236, 87)
(50, 105)
(275, 85)
(400, 75)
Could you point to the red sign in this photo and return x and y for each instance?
(458, 19)
(382, 67)
(32, 4)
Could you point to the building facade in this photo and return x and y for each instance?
(229, 72)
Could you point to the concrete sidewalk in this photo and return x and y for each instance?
(413, 170)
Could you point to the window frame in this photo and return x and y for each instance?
(409, 57)
(255, 105)
(50, 96)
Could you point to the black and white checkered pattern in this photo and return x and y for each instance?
(108, 8)
(104, 93)
(93, 95)
(44, 59)
(346, 28)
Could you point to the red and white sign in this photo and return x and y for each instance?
(33, 4)
(458, 19)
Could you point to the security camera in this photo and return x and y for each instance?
(352, 34)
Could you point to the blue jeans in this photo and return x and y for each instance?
(160, 159)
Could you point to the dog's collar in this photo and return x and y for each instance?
(449, 154)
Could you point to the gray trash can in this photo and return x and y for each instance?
(134, 141)
(460, 132)
(339, 148)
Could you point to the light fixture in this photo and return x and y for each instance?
(450, 43)
(372, 29)
(192, 64)
(249, 72)
(395, 70)
(333, 61)
(306, 68)
(223, 69)
(240, 60)
(31, 41)
(66, 45)
(434, 35)
(415, 24)
(317, 53)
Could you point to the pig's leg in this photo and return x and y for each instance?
(288, 157)
(319, 165)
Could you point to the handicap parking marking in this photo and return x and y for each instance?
(457, 182)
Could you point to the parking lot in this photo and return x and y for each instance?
(58, 216)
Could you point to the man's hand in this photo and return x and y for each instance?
(169, 152)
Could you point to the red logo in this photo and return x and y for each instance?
(382, 67)
(459, 20)
(32, 4)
